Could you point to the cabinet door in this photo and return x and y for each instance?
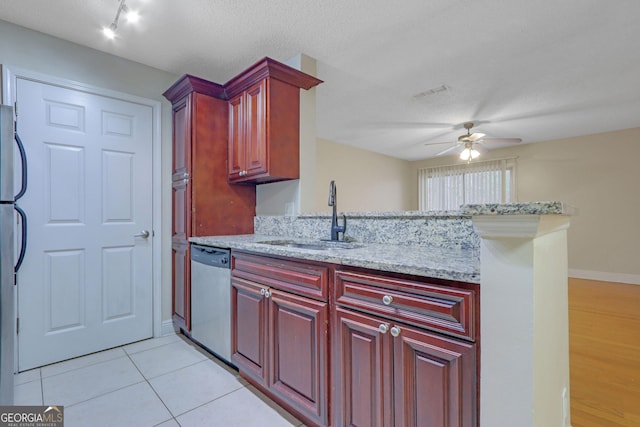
(181, 291)
(362, 371)
(181, 224)
(236, 151)
(256, 144)
(434, 380)
(298, 345)
(249, 329)
(181, 138)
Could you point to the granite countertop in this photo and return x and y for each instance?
(443, 263)
(441, 245)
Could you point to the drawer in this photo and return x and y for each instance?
(298, 277)
(440, 308)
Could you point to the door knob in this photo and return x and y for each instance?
(144, 234)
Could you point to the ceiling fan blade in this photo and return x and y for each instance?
(404, 125)
(448, 150)
(502, 140)
(438, 143)
(475, 136)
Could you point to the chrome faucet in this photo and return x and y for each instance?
(333, 201)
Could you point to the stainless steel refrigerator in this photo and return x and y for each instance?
(9, 263)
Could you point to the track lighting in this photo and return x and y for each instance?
(132, 16)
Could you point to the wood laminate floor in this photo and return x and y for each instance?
(604, 348)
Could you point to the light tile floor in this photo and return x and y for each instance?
(165, 381)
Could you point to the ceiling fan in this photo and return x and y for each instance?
(473, 144)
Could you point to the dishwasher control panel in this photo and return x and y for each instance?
(215, 257)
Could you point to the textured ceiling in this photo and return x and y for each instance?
(536, 70)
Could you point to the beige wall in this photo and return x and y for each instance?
(365, 181)
(35, 52)
(597, 174)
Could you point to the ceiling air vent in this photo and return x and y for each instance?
(431, 92)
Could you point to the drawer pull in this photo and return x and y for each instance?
(395, 331)
(387, 299)
(383, 328)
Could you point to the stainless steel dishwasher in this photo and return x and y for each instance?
(211, 299)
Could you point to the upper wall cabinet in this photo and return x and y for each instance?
(264, 122)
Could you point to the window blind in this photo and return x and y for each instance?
(445, 188)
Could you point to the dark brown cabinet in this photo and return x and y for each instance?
(388, 368)
(248, 137)
(403, 349)
(264, 122)
(280, 337)
(415, 378)
(203, 203)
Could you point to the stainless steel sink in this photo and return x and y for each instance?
(316, 245)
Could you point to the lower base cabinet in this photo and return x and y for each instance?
(390, 374)
(392, 351)
(280, 344)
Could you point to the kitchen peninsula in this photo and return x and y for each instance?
(443, 285)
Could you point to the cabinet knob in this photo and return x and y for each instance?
(387, 299)
(395, 331)
(267, 294)
(383, 328)
(263, 291)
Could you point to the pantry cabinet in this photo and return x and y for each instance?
(279, 331)
(264, 122)
(203, 203)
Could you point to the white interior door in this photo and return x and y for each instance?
(86, 281)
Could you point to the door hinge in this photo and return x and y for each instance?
(17, 325)
(15, 108)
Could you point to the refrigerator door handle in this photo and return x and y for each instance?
(23, 239)
(23, 161)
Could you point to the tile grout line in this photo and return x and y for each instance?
(212, 400)
(174, 370)
(82, 367)
(154, 391)
(126, 354)
(103, 394)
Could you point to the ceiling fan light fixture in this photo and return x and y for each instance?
(469, 153)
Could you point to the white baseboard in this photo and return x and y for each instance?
(632, 279)
(168, 328)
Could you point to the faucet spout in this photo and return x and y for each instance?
(333, 201)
